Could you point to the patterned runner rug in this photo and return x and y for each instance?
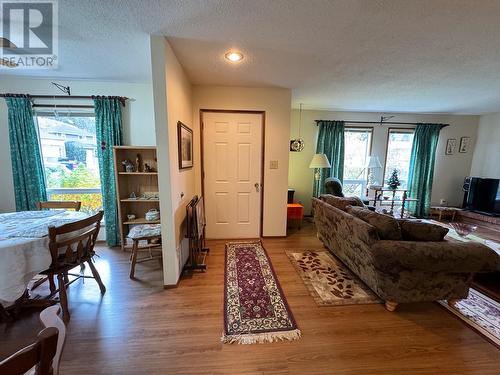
(328, 280)
(255, 309)
(479, 312)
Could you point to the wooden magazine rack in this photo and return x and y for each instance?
(195, 216)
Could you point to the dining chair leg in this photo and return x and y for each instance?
(4, 315)
(66, 278)
(97, 277)
(63, 297)
(135, 250)
(52, 285)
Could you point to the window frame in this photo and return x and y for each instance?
(394, 130)
(360, 129)
(63, 112)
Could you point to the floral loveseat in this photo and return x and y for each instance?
(395, 257)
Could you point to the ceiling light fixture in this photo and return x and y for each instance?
(234, 56)
(297, 144)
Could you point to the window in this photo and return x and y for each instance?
(399, 144)
(69, 154)
(356, 151)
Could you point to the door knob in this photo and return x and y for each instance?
(257, 187)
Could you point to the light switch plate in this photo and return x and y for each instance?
(273, 164)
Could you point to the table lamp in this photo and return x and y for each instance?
(319, 161)
(371, 163)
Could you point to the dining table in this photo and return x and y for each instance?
(24, 248)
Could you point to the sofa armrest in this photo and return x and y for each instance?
(442, 256)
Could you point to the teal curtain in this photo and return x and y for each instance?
(27, 167)
(108, 121)
(331, 143)
(423, 154)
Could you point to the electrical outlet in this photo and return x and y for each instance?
(273, 164)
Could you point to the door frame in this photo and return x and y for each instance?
(263, 155)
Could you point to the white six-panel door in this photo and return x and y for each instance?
(232, 157)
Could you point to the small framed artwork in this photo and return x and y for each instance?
(451, 146)
(185, 146)
(464, 144)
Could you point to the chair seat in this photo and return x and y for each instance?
(65, 266)
(144, 231)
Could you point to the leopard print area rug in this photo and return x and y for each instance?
(328, 280)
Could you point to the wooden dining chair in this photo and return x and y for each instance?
(72, 245)
(43, 356)
(58, 205)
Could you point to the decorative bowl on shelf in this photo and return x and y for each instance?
(152, 215)
(463, 229)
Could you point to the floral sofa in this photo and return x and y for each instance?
(400, 260)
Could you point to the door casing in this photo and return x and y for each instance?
(263, 185)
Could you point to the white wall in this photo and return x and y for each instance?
(276, 103)
(486, 161)
(172, 93)
(449, 171)
(138, 119)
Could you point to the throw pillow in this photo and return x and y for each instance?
(413, 230)
(387, 227)
(341, 202)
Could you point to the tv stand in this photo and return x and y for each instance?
(493, 214)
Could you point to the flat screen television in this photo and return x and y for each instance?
(482, 195)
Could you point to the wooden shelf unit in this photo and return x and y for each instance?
(137, 182)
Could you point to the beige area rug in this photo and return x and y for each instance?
(480, 313)
(328, 280)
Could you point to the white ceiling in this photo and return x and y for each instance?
(353, 55)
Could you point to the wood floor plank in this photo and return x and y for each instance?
(137, 327)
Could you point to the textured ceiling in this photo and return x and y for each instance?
(354, 55)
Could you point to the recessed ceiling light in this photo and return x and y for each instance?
(234, 56)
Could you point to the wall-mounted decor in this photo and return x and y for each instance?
(185, 146)
(464, 144)
(451, 146)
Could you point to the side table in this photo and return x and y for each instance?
(295, 212)
(443, 212)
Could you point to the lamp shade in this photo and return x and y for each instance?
(319, 161)
(373, 162)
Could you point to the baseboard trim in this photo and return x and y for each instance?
(170, 286)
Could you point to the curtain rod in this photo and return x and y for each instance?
(64, 106)
(122, 99)
(383, 123)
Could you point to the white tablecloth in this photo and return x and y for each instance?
(24, 248)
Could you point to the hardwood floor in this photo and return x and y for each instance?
(140, 328)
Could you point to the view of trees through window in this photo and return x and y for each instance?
(357, 149)
(398, 155)
(69, 154)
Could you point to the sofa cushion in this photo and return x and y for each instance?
(387, 226)
(415, 230)
(341, 202)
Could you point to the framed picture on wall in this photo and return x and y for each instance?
(185, 146)
(451, 146)
(464, 144)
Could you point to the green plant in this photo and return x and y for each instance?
(393, 181)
